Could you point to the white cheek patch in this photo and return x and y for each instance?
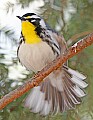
(42, 23)
(33, 20)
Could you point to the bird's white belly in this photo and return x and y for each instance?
(35, 56)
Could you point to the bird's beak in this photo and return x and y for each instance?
(21, 18)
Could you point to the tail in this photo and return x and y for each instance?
(60, 91)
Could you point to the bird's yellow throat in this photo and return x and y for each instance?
(29, 33)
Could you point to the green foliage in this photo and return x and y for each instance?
(80, 20)
(24, 3)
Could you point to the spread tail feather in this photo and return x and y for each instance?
(60, 91)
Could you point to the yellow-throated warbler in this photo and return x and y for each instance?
(63, 88)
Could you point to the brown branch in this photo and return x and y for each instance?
(76, 48)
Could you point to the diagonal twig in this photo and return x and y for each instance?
(38, 78)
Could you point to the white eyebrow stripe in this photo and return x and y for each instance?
(35, 16)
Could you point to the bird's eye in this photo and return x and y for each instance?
(32, 20)
(35, 21)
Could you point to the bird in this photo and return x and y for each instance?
(39, 45)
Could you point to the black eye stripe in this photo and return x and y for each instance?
(33, 18)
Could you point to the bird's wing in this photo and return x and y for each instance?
(60, 40)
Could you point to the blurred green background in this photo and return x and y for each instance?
(73, 19)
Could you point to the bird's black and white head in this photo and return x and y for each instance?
(34, 19)
(32, 27)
